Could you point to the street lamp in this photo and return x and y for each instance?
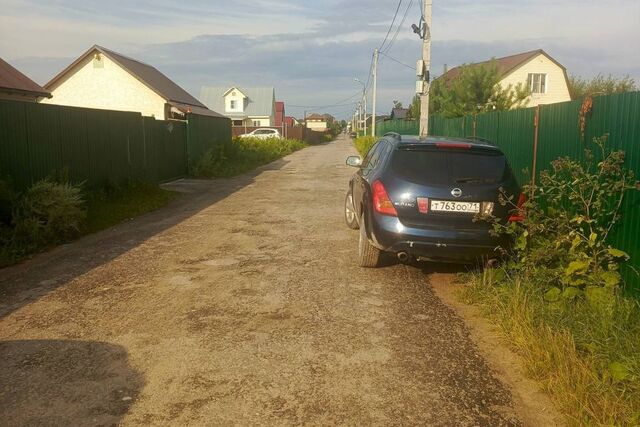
(364, 100)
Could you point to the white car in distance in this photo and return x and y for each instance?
(262, 134)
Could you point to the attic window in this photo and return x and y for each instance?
(98, 61)
(537, 82)
(233, 94)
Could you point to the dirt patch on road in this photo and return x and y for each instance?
(533, 406)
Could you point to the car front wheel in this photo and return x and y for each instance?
(368, 255)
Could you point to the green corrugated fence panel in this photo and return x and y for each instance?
(515, 138)
(403, 127)
(559, 135)
(92, 146)
(205, 133)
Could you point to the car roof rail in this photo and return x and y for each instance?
(395, 135)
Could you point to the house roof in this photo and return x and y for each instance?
(400, 113)
(12, 80)
(505, 65)
(260, 103)
(316, 116)
(145, 73)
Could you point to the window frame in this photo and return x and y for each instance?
(542, 83)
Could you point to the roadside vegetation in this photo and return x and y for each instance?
(559, 299)
(363, 144)
(54, 211)
(600, 85)
(243, 155)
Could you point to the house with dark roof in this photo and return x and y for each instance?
(16, 86)
(104, 79)
(399, 113)
(317, 122)
(245, 106)
(545, 77)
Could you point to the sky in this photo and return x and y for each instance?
(311, 50)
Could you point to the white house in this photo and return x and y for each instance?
(101, 78)
(545, 77)
(246, 106)
(319, 122)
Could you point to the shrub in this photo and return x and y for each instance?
(242, 155)
(47, 213)
(558, 298)
(364, 143)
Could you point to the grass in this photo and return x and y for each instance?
(588, 360)
(243, 155)
(103, 208)
(363, 144)
(107, 209)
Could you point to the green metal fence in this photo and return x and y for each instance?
(100, 146)
(206, 133)
(532, 138)
(403, 127)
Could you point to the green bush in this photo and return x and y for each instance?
(242, 155)
(48, 212)
(559, 296)
(364, 143)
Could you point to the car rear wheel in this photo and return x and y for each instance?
(368, 255)
(350, 212)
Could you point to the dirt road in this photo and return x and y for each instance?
(241, 303)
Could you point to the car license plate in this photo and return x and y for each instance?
(448, 206)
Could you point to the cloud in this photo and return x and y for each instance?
(311, 51)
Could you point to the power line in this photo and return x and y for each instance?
(337, 104)
(391, 26)
(398, 61)
(404, 18)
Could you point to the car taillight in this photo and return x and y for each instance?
(423, 205)
(381, 201)
(519, 215)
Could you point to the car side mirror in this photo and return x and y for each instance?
(354, 161)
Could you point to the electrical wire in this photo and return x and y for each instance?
(337, 104)
(391, 26)
(398, 61)
(404, 18)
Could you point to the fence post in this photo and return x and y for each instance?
(536, 126)
(475, 124)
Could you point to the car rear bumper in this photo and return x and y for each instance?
(391, 235)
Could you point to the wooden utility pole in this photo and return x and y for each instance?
(375, 92)
(426, 58)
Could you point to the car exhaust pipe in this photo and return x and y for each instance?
(403, 256)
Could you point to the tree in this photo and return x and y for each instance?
(414, 108)
(600, 85)
(476, 89)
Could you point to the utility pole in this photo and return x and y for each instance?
(426, 58)
(375, 92)
(364, 96)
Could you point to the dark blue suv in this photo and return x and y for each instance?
(420, 199)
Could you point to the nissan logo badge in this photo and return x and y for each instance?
(456, 192)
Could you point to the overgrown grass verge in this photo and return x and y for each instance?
(105, 209)
(50, 213)
(586, 359)
(243, 155)
(363, 144)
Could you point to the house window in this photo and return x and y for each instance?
(256, 122)
(537, 82)
(233, 104)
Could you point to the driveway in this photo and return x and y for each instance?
(240, 303)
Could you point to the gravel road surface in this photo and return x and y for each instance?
(241, 303)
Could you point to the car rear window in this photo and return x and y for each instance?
(444, 167)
